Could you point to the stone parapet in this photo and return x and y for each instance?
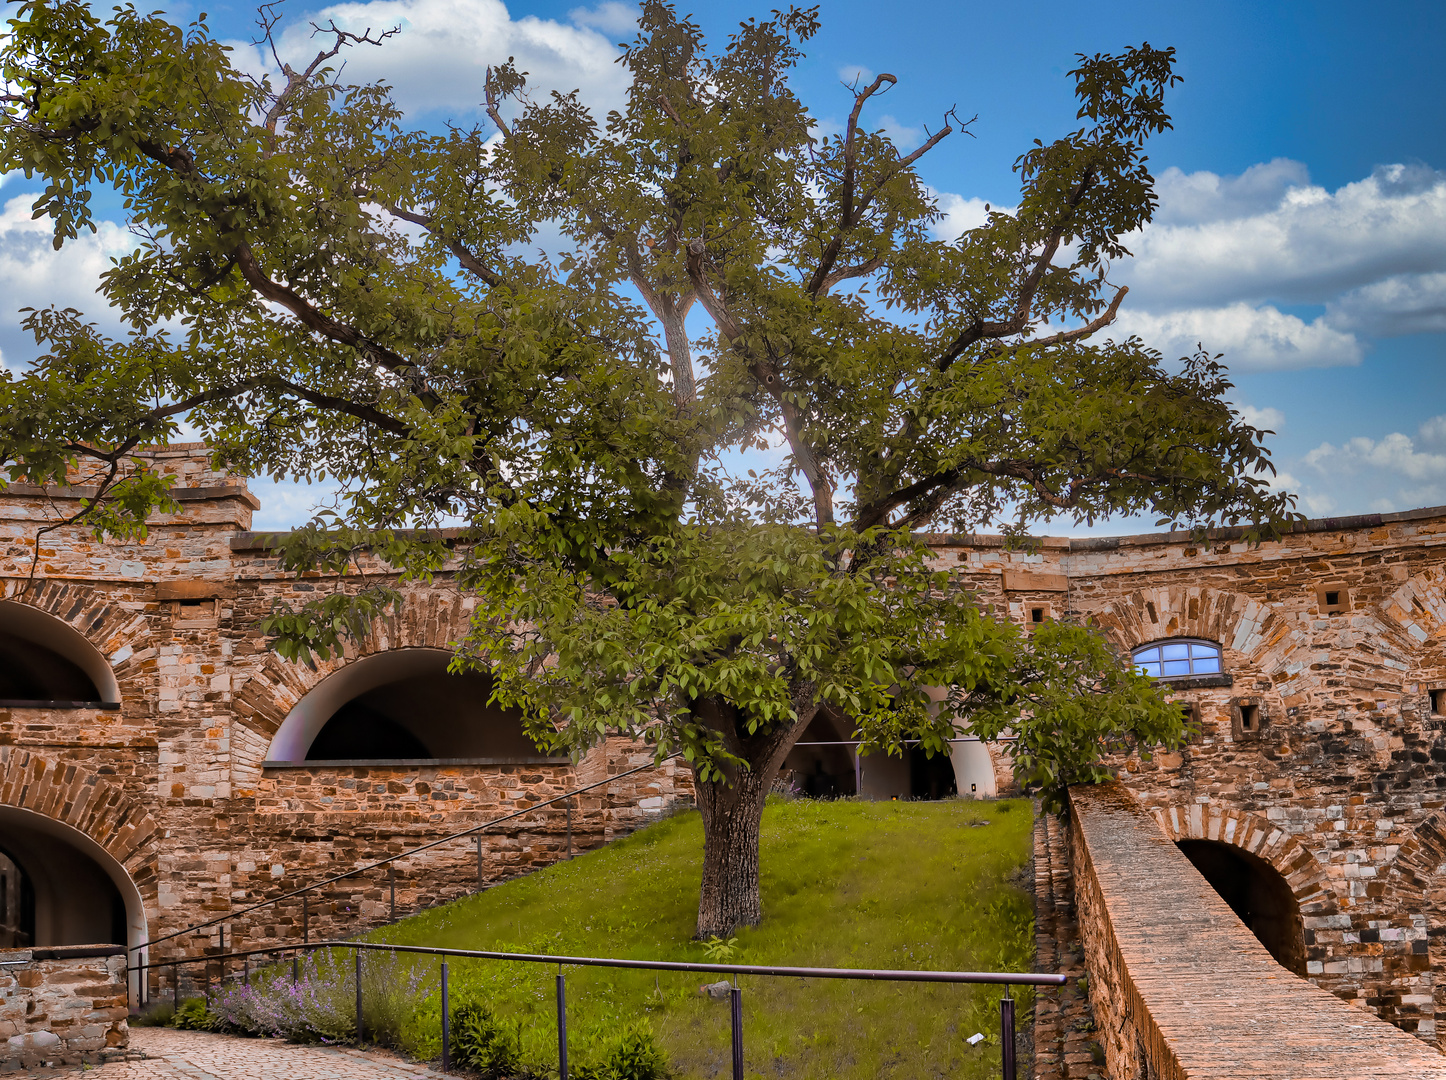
(1181, 988)
(64, 1005)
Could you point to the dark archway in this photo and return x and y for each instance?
(931, 777)
(1257, 893)
(55, 893)
(402, 705)
(44, 662)
(821, 764)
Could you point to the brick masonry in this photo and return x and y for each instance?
(1180, 988)
(171, 785)
(69, 993)
(1342, 789)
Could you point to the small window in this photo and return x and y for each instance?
(1250, 718)
(1332, 598)
(1180, 659)
(1036, 614)
(1438, 702)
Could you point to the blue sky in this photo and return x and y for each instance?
(1303, 222)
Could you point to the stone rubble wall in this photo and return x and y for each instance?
(61, 1006)
(1343, 790)
(1181, 988)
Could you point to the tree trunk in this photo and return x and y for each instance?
(732, 809)
(732, 817)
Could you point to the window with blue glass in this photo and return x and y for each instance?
(1182, 658)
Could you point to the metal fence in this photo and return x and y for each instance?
(1006, 979)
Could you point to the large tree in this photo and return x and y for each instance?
(328, 293)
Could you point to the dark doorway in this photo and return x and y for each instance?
(931, 777)
(17, 905)
(1257, 894)
(32, 672)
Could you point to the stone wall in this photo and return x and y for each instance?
(1342, 789)
(1180, 988)
(61, 1006)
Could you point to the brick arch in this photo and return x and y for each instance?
(1420, 860)
(1419, 606)
(1244, 626)
(68, 792)
(1254, 834)
(430, 618)
(121, 635)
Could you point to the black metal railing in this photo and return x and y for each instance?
(1007, 979)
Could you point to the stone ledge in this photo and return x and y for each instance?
(1182, 989)
(411, 763)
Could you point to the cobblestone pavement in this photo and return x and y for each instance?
(197, 1055)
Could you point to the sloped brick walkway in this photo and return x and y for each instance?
(197, 1055)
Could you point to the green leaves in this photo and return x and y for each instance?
(1069, 701)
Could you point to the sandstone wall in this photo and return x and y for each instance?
(65, 1005)
(1343, 788)
(1180, 988)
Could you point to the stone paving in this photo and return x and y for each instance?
(196, 1055)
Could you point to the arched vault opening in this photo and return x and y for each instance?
(402, 705)
(1257, 893)
(46, 662)
(63, 888)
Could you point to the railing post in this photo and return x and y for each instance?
(305, 921)
(295, 969)
(479, 862)
(561, 1024)
(392, 880)
(569, 828)
(737, 995)
(446, 1024)
(246, 971)
(1006, 1035)
(221, 959)
(360, 1026)
(176, 985)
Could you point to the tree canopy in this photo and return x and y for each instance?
(327, 292)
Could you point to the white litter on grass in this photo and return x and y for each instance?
(975, 1039)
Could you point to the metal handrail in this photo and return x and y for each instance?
(996, 978)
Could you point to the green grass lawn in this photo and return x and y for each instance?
(845, 884)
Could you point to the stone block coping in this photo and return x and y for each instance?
(60, 952)
(1172, 965)
(413, 763)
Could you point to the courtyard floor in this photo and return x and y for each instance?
(198, 1055)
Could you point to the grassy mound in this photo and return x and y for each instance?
(845, 884)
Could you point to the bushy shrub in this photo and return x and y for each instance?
(632, 1053)
(193, 1015)
(483, 1042)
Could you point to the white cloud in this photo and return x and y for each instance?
(34, 274)
(1251, 338)
(1403, 304)
(849, 74)
(1203, 196)
(610, 17)
(959, 215)
(440, 58)
(1222, 241)
(1395, 453)
(1433, 431)
(1269, 419)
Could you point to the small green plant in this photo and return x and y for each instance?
(194, 1016)
(719, 951)
(485, 1043)
(156, 1014)
(632, 1053)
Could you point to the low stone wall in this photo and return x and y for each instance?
(1181, 988)
(64, 1005)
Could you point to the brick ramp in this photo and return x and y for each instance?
(1181, 988)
